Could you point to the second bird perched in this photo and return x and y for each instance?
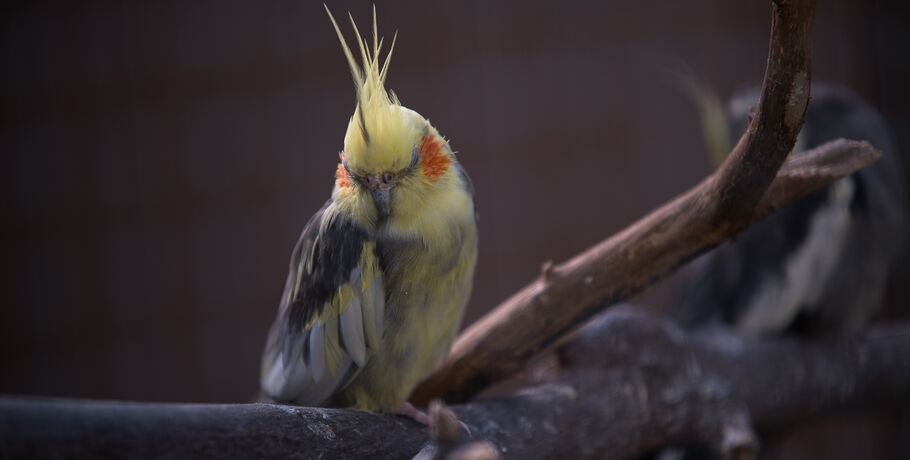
(819, 267)
(380, 276)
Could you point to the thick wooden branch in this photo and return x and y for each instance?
(713, 375)
(630, 383)
(500, 343)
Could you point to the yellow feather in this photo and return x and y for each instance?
(714, 125)
(333, 353)
(381, 133)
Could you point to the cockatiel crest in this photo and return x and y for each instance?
(381, 130)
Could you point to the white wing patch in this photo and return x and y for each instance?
(777, 303)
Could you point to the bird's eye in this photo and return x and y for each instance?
(358, 179)
(415, 157)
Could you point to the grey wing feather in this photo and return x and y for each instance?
(353, 333)
(327, 322)
(316, 355)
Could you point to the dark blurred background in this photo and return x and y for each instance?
(159, 158)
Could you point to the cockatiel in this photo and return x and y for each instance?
(820, 266)
(817, 268)
(380, 276)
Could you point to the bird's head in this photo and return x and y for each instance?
(393, 159)
(722, 127)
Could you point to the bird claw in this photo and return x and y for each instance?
(466, 429)
(436, 419)
(408, 410)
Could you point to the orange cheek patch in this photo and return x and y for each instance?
(433, 161)
(341, 176)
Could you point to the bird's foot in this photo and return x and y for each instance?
(440, 419)
(408, 410)
(445, 426)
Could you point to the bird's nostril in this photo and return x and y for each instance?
(386, 177)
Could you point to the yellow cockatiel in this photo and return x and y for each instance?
(380, 276)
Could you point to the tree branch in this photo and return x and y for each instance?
(630, 383)
(500, 343)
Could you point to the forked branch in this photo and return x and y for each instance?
(716, 210)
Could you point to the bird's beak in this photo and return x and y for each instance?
(380, 186)
(383, 198)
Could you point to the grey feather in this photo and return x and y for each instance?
(316, 356)
(292, 352)
(352, 334)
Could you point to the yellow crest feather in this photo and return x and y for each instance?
(715, 128)
(380, 128)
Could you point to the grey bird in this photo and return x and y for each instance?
(820, 266)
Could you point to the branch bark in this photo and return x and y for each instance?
(500, 343)
(630, 383)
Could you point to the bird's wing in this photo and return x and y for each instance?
(331, 313)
